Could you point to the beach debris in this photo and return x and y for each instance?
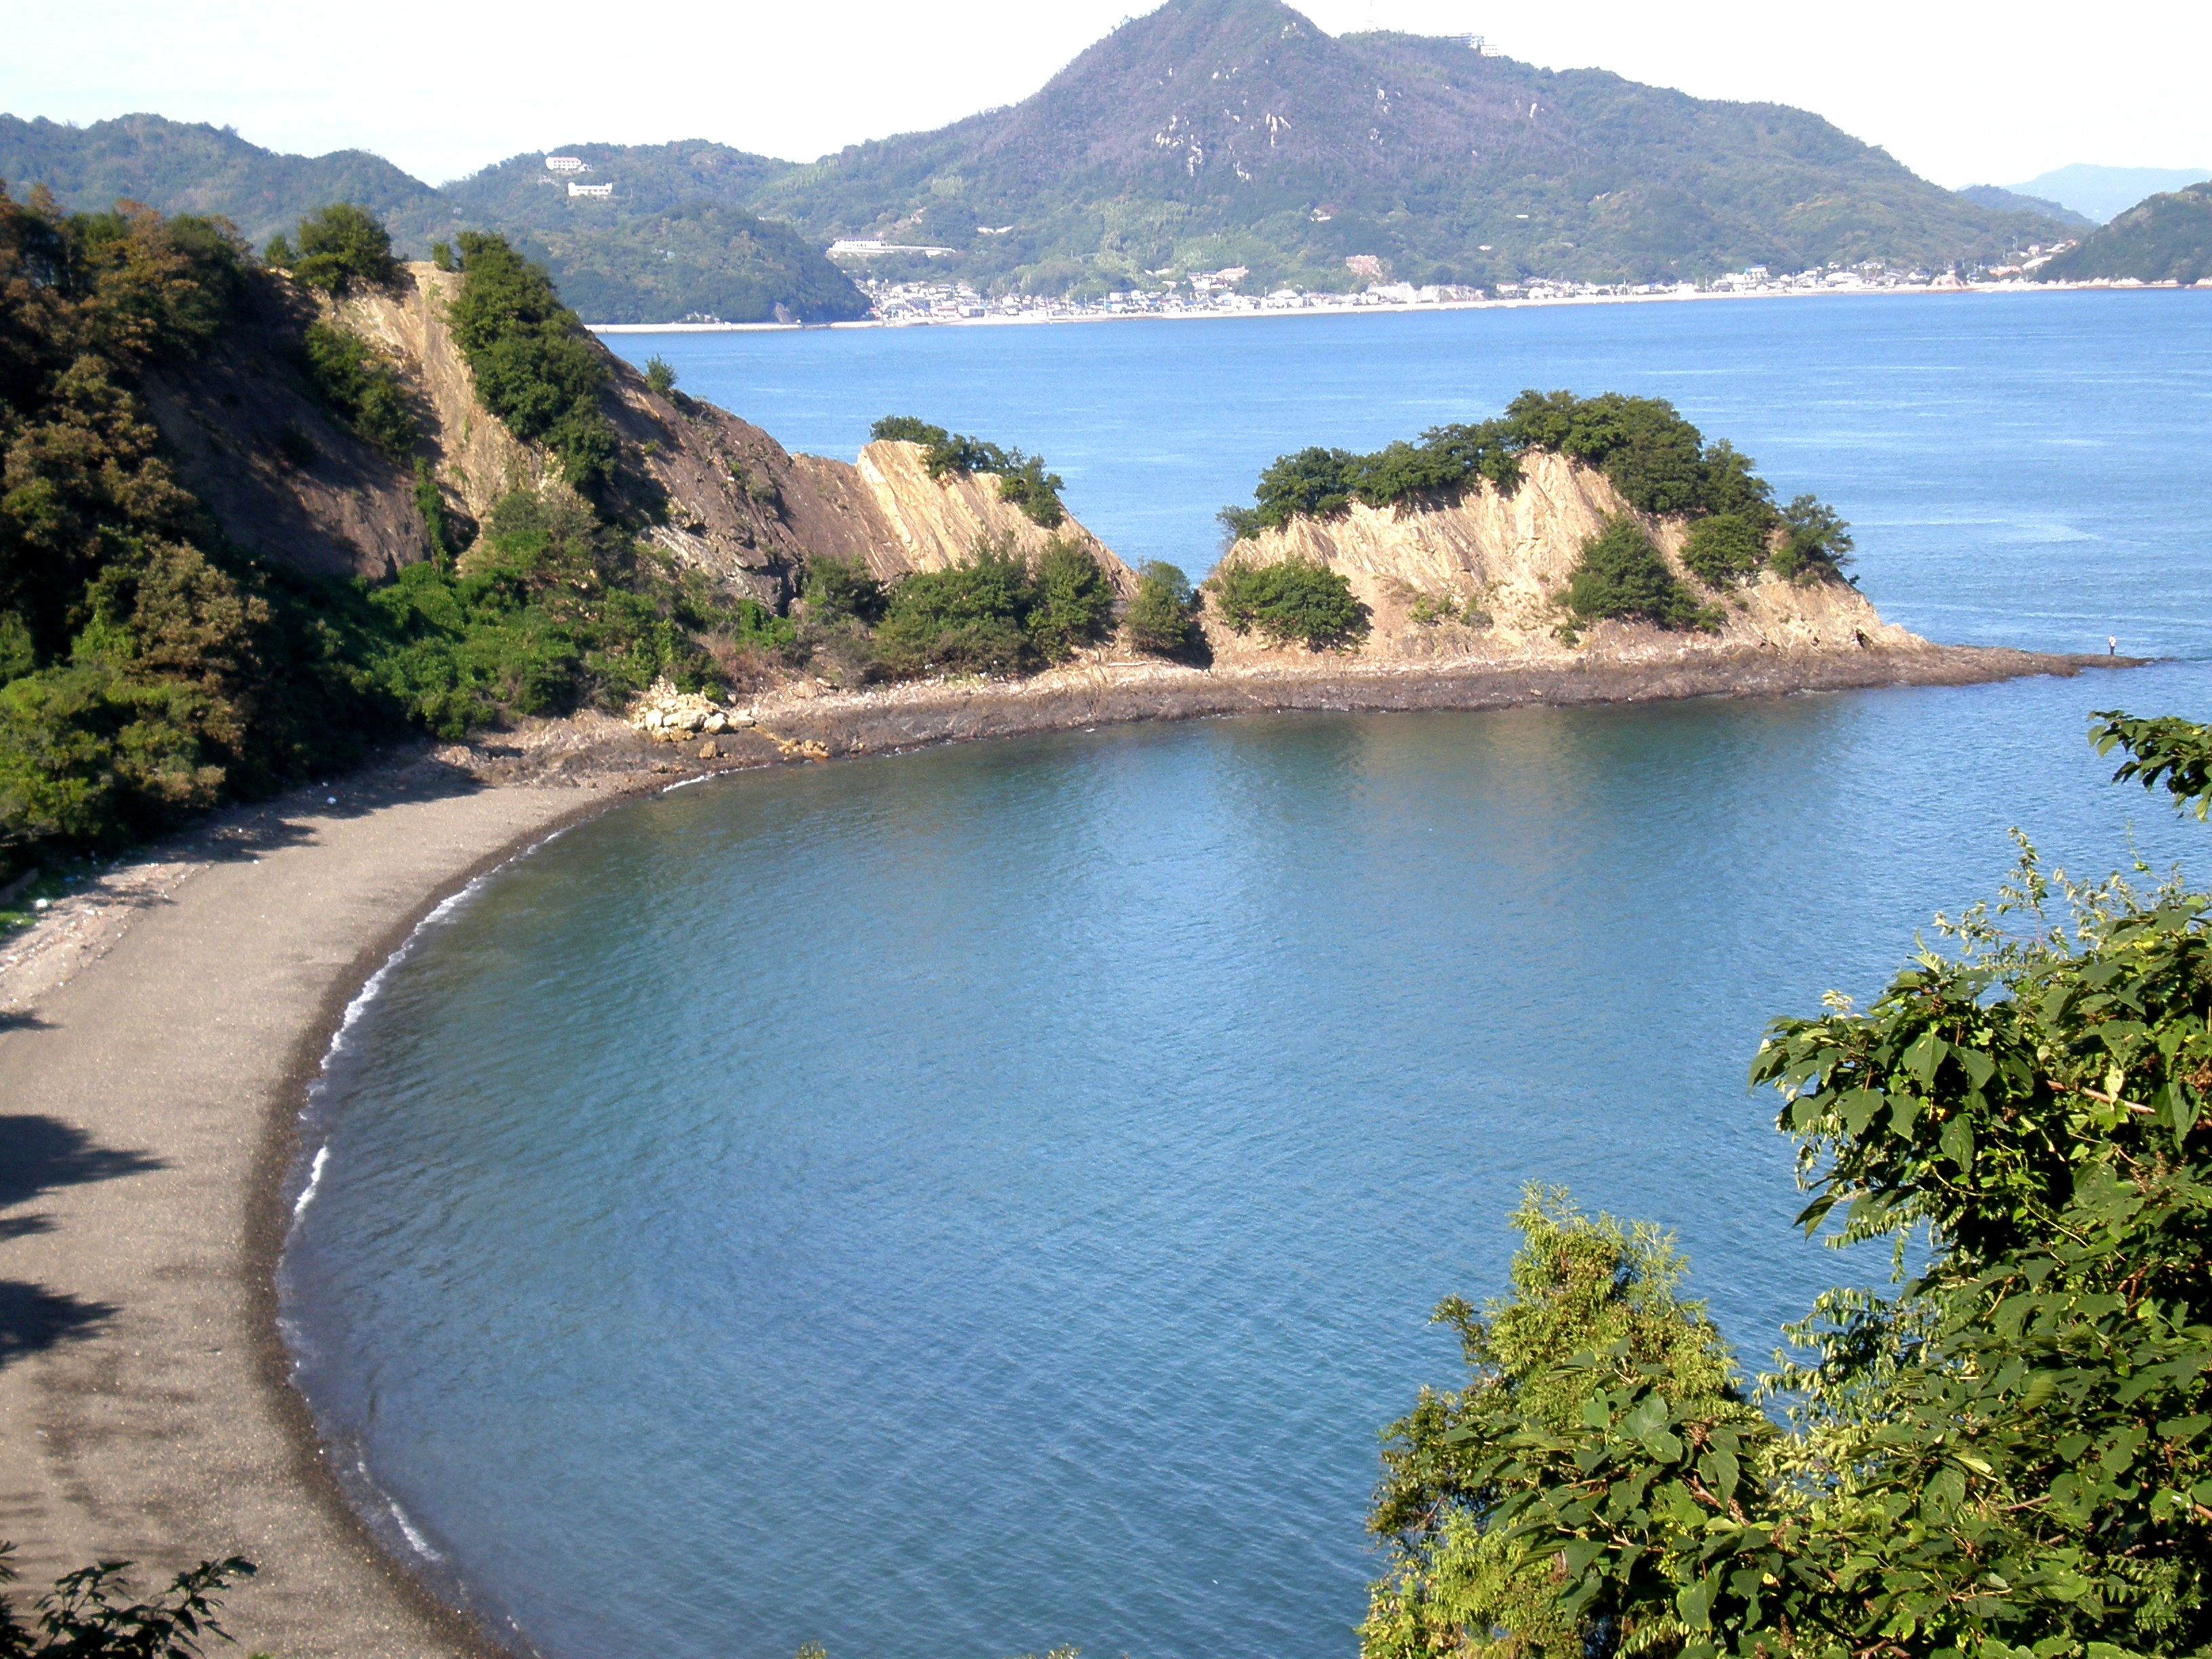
(667, 715)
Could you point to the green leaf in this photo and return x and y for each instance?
(1958, 1142)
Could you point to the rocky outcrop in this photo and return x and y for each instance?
(1479, 577)
(887, 513)
(668, 716)
(713, 492)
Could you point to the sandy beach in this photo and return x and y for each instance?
(159, 1029)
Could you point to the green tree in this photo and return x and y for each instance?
(971, 617)
(842, 587)
(1290, 600)
(1724, 549)
(341, 245)
(1073, 604)
(359, 384)
(660, 375)
(1621, 577)
(1817, 542)
(1162, 618)
(533, 366)
(2008, 1457)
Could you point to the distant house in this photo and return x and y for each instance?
(871, 247)
(567, 164)
(597, 193)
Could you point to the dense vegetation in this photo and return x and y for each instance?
(1660, 463)
(1162, 619)
(149, 669)
(1225, 133)
(534, 367)
(2166, 239)
(676, 238)
(2007, 1454)
(83, 1616)
(1291, 601)
(995, 612)
(361, 387)
(339, 246)
(1022, 479)
(1622, 578)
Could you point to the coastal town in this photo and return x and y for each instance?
(1230, 293)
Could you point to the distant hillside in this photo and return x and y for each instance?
(2167, 239)
(672, 241)
(1213, 133)
(2103, 193)
(1996, 196)
(178, 167)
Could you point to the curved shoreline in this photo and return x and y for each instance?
(153, 1105)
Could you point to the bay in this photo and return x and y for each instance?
(966, 1201)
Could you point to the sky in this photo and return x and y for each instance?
(1961, 94)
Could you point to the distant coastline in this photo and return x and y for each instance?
(1322, 305)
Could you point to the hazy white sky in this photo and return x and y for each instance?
(1962, 93)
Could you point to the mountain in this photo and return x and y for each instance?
(179, 167)
(2167, 238)
(1996, 196)
(2103, 193)
(672, 239)
(1213, 133)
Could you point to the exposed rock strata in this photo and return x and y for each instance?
(1510, 556)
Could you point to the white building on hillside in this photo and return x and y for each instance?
(599, 193)
(567, 164)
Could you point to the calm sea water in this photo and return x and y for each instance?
(956, 1203)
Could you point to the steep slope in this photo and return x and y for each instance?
(715, 492)
(2167, 238)
(889, 514)
(1507, 557)
(1218, 131)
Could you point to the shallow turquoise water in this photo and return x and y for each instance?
(955, 1203)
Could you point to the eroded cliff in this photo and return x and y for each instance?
(1479, 577)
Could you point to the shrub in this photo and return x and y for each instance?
(968, 618)
(1292, 599)
(1622, 578)
(1162, 618)
(842, 587)
(341, 244)
(441, 255)
(660, 375)
(82, 1618)
(1023, 480)
(1073, 602)
(359, 385)
(1723, 550)
(1816, 544)
(533, 366)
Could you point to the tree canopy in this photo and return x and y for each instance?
(2008, 1455)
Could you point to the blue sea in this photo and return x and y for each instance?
(948, 1205)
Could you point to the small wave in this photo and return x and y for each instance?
(419, 1544)
(314, 1182)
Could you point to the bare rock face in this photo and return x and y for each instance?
(887, 512)
(1481, 577)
